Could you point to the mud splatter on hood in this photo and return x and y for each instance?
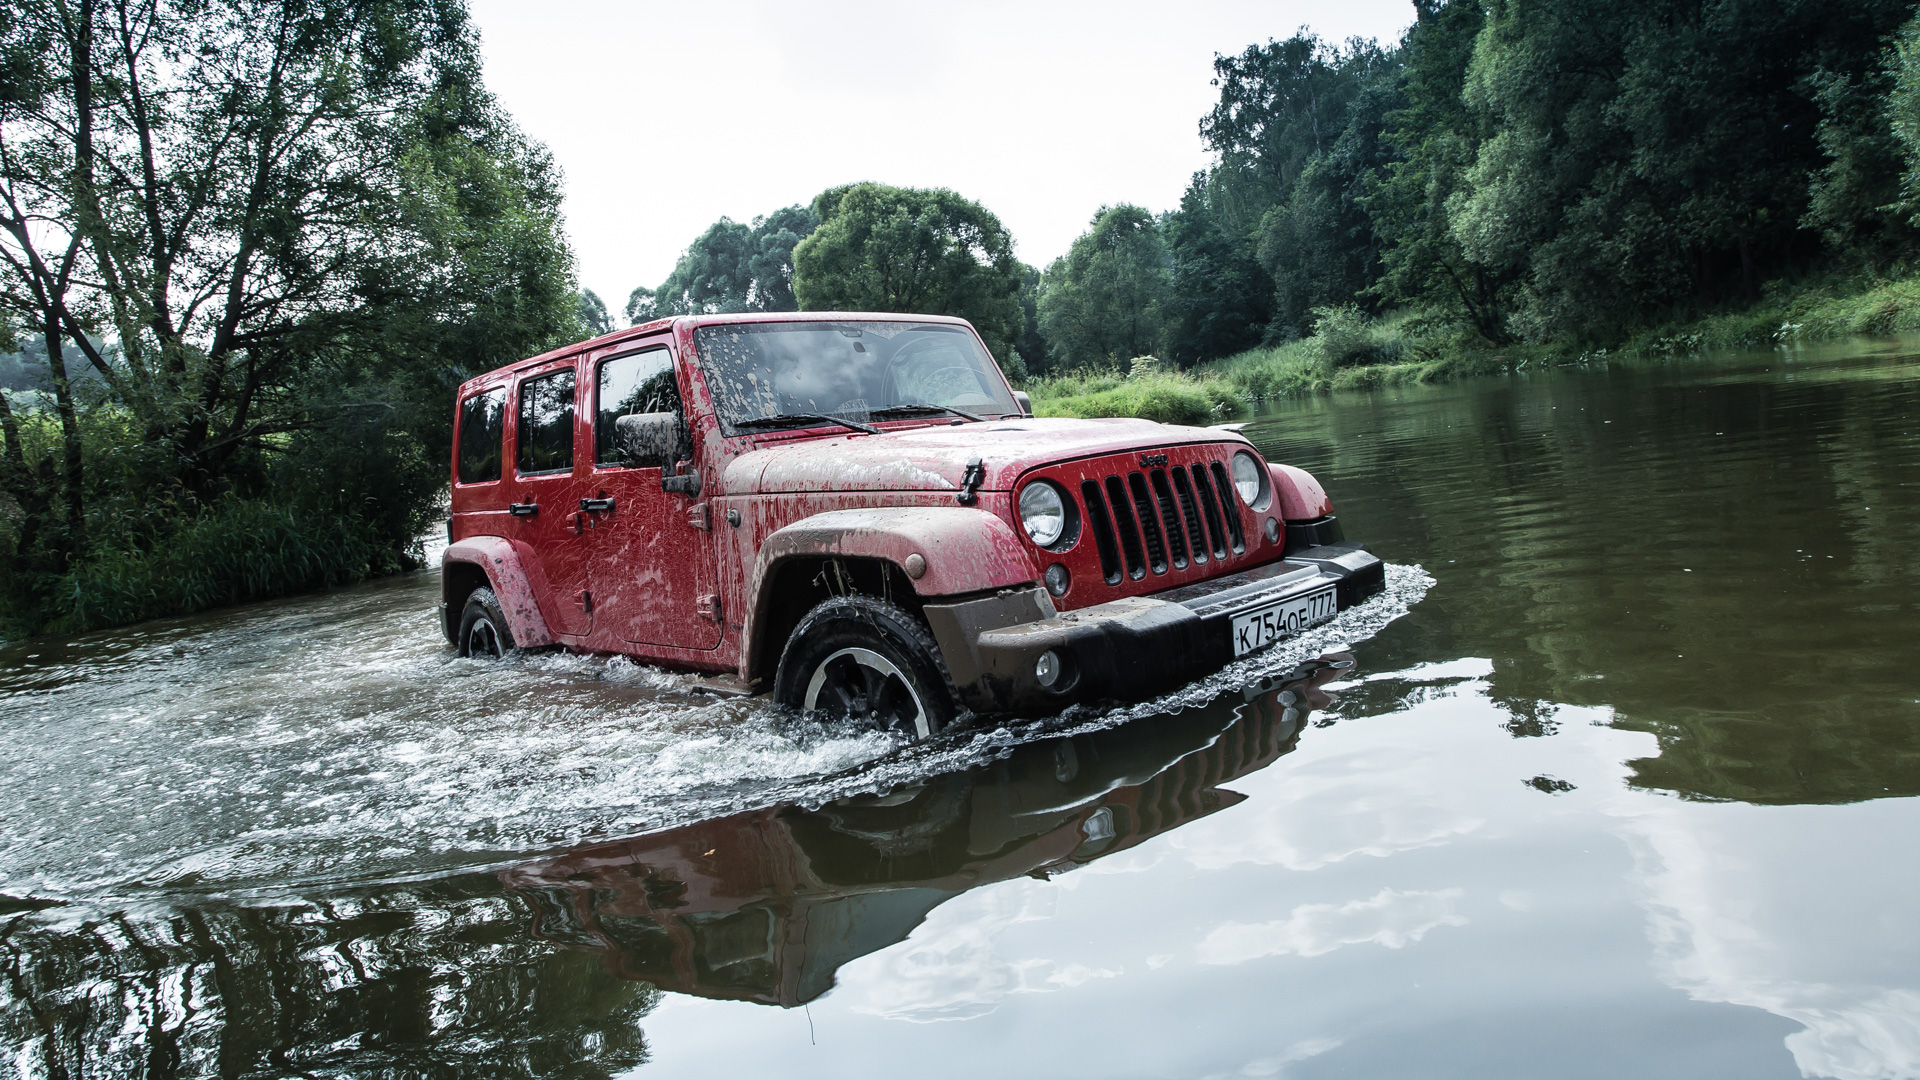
(922, 458)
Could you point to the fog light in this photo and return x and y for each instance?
(1047, 668)
(1273, 531)
(1058, 579)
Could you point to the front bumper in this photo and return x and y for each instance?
(1129, 648)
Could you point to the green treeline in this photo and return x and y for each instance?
(247, 251)
(1513, 172)
(1516, 172)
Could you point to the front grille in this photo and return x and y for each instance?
(1128, 529)
(1166, 517)
(1227, 504)
(1102, 526)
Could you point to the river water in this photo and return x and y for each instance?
(1619, 778)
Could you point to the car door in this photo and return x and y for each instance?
(548, 526)
(653, 564)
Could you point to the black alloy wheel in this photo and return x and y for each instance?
(870, 661)
(483, 626)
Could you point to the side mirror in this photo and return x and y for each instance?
(657, 440)
(650, 440)
(1021, 399)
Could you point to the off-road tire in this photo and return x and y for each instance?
(849, 630)
(483, 626)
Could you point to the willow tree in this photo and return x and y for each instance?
(255, 222)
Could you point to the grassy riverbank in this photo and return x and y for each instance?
(1351, 352)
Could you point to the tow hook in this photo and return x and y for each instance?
(970, 481)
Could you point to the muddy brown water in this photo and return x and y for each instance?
(1619, 779)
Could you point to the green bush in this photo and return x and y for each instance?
(1166, 396)
(1824, 308)
(1346, 337)
(236, 552)
(1282, 371)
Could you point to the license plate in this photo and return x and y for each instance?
(1255, 630)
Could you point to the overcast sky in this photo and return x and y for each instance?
(665, 117)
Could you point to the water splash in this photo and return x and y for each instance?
(334, 740)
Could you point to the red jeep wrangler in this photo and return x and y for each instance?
(859, 511)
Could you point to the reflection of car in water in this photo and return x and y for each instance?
(766, 906)
(440, 978)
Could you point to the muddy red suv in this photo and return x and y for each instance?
(859, 513)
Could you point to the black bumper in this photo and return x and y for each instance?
(1131, 648)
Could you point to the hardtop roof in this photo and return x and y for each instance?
(693, 322)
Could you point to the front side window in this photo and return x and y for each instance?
(637, 383)
(857, 370)
(483, 418)
(545, 424)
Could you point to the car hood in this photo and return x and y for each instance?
(934, 458)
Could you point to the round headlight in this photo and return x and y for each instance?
(1043, 513)
(1250, 480)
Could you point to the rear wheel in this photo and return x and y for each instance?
(869, 661)
(483, 626)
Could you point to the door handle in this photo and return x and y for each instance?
(523, 509)
(596, 506)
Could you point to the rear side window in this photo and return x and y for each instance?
(482, 419)
(639, 383)
(545, 424)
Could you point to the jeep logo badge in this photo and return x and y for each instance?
(1148, 461)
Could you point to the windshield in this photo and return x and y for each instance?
(855, 370)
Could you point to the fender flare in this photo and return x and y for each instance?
(1298, 495)
(965, 550)
(495, 557)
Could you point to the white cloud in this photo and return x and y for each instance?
(1391, 918)
(1300, 1051)
(1759, 906)
(667, 116)
(950, 968)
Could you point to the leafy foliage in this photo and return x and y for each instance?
(1170, 397)
(731, 268)
(593, 313)
(1110, 298)
(278, 236)
(932, 252)
(1549, 170)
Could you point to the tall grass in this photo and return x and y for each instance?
(1348, 350)
(239, 551)
(1828, 308)
(1147, 392)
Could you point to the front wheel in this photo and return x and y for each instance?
(868, 661)
(483, 626)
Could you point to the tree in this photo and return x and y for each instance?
(712, 276)
(1110, 298)
(1643, 157)
(593, 312)
(1321, 246)
(881, 248)
(1285, 103)
(731, 268)
(1902, 111)
(1031, 348)
(1434, 139)
(1223, 297)
(641, 306)
(278, 235)
(770, 261)
(1297, 129)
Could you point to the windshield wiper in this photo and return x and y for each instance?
(918, 407)
(796, 418)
